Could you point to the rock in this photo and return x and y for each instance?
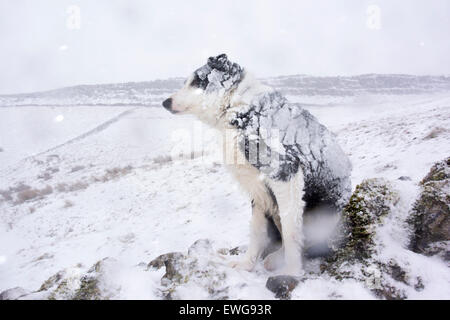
(238, 250)
(198, 268)
(175, 269)
(89, 289)
(69, 284)
(52, 281)
(201, 247)
(73, 284)
(389, 293)
(430, 215)
(371, 201)
(160, 261)
(356, 254)
(282, 285)
(441, 249)
(397, 273)
(419, 284)
(174, 262)
(404, 178)
(13, 293)
(233, 251)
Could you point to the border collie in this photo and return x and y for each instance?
(280, 154)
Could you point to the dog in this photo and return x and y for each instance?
(287, 161)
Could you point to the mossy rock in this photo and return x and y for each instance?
(52, 281)
(73, 284)
(389, 293)
(438, 172)
(372, 200)
(430, 215)
(175, 264)
(90, 283)
(88, 290)
(195, 267)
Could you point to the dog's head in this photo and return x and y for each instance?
(207, 87)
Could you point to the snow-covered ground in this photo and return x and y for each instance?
(83, 183)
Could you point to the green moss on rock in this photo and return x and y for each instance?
(370, 202)
(192, 268)
(52, 281)
(74, 284)
(88, 290)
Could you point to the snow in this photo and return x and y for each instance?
(126, 200)
(30, 130)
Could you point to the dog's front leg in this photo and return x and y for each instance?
(259, 238)
(289, 198)
(291, 221)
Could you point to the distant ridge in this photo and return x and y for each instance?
(150, 93)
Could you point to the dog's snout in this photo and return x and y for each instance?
(167, 103)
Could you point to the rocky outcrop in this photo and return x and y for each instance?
(199, 267)
(430, 215)
(371, 201)
(355, 256)
(70, 284)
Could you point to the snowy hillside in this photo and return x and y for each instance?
(86, 174)
(152, 92)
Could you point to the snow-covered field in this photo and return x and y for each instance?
(81, 183)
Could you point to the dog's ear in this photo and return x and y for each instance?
(219, 62)
(219, 72)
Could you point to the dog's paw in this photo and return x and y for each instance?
(274, 260)
(244, 264)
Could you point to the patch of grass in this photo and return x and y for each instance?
(434, 133)
(162, 159)
(79, 185)
(32, 193)
(61, 187)
(68, 204)
(76, 186)
(45, 176)
(76, 168)
(114, 173)
(6, 195)
(27, 195)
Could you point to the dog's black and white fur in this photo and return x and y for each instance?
(289, 161)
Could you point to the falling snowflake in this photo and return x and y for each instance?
(59, 118)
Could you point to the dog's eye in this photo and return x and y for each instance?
(199, 83)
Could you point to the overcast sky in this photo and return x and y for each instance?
(48, 44)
